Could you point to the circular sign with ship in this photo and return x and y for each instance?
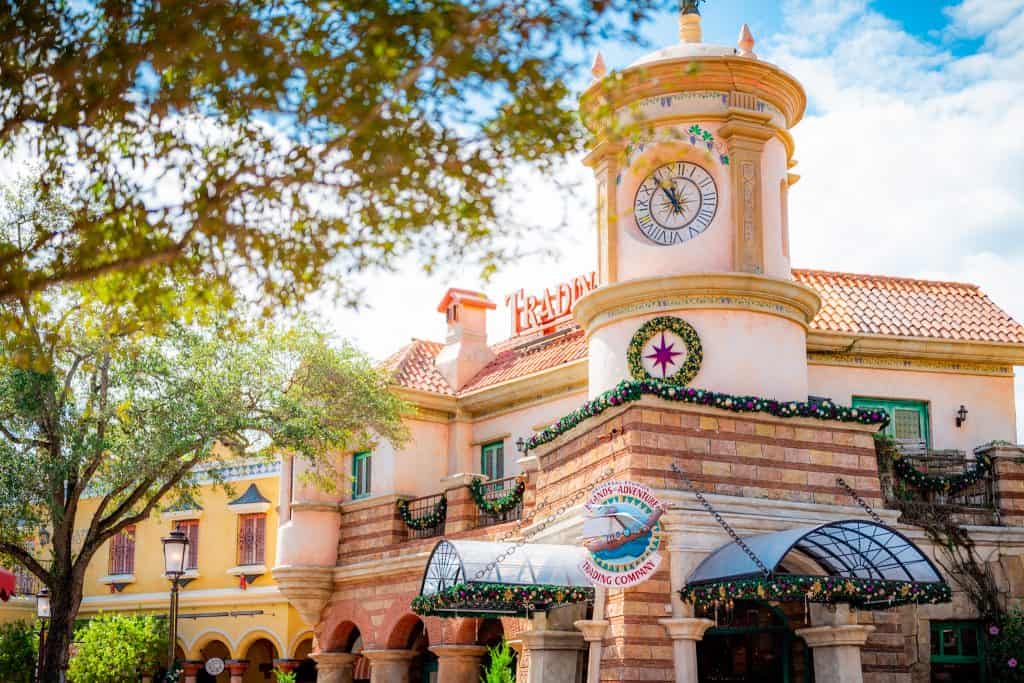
(622, 531)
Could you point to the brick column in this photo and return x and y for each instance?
(334, 667)
(836, 645)
(389, 666)
(1008, 477)
(237, 669)
(190, 671)
(459, 663)
(593, 631)
(462, 510)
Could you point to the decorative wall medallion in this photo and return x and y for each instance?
(214, 666)
(622, 531)
(675, 203)
(665, 348)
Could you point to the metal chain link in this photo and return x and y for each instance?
(721, 522)
(504, 555)
(860, 501)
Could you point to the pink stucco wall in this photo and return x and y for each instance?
(989, 400)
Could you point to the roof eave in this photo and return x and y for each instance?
(533, 386)
(1005, 353)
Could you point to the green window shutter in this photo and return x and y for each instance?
(361, 474)
(492, 459)
(908, 419)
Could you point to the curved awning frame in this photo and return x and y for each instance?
(480, 578)
(863, 563)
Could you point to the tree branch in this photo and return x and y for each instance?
(30, 563)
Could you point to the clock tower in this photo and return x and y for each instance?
(692, 156)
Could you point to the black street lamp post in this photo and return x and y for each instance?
(43, 613)
(175, 552)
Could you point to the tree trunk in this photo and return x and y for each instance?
(65, 600)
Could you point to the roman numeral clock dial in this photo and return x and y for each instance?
(676, 203)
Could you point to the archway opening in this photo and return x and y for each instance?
(306, 673)
(423, 666)
(214, 650)
(490, 633)
(754, 642)
(261, 655)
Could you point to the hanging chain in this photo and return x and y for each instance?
(721, 522)
(543, 524)
(860, 501)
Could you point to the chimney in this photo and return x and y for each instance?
(465, 349)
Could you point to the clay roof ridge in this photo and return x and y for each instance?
(889, 278)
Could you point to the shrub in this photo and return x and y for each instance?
(19, 642)
(500, 669)
(115, 648)
(1006, 648)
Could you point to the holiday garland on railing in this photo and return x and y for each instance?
(629, 391)
(429, 521)
(498, 598)
(862, 593)
(906, 471)
(507, 502)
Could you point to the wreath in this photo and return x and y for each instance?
(496, 507)
(666, 323)
(428, 521)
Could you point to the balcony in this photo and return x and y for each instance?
(421, 510)
(495, 490)
(976, 503)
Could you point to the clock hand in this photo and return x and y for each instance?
(670, 193)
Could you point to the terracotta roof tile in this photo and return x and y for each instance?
(851, 304)
(875, 304)
(531, 357)
(413, 368)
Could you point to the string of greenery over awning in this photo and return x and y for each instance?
(481, 578)
(864, 564)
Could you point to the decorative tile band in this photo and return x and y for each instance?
(671, 303)
(910, 364)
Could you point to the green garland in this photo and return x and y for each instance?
(435, 518)
(861, 593)
(906, 471)
(498, 598)
(629, 391)
(666, 323)
(509, 501)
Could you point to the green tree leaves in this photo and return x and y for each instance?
(113, 648)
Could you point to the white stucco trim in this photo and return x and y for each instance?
(252, 635)
(297, 640)
(117, 578)
(248, 570)
(249, 508)
(175, 515)
(228, 597)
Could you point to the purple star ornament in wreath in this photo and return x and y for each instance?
(666, 349)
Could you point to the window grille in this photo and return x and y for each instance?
(252, 531)
(122, 552)
(190, 527)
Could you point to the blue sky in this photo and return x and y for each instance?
(911, 157)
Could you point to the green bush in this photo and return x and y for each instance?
(500, 669)
(284, 677)
(19, 642)
(115, 648)
(1006, 648)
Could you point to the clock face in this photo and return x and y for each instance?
(675, 203)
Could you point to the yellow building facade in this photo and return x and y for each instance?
(231, 614)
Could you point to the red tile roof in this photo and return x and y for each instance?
(526, 359)
(904, 307)
(851, 304)
(413, 368)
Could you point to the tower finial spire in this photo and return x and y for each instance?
(689, 21)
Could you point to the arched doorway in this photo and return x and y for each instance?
(261, 655)
(214, 649)
(754, 643)
(490, 633)
(306, 673)
(410, 633)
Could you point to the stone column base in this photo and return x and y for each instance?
(334, 667)
(554, 655)
(389, 666)
(837, 651)
(459, 663)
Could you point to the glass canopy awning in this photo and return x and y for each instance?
(478, 578)
(856, 561)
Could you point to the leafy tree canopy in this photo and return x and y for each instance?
(126, 417)
(282, 144)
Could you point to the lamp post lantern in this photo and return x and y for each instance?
(43, 613)
(175, 552)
